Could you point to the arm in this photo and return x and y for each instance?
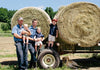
(14, 33)
(17, 36)
(29, 32)
(49, 22)
(43, 38)
(56, 33)
(26, 32)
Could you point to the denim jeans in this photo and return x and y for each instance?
(32, 52)
(21, 50)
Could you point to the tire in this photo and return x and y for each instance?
(48, 59)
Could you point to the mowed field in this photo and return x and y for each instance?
(8, 56)
(7, 49)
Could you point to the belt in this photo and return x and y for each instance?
(18, 41)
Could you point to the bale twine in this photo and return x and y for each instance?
(30, 13)
(79, 23)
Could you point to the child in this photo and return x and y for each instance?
(38, 36)
(53, 33)
(25, 35)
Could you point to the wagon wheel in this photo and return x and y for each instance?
(48, 58)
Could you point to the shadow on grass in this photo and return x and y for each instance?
(85, 63)
(9, 63)
(89, 62)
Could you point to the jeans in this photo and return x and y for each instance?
(21, 50)
(32, 52)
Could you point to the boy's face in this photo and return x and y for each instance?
(39, 30)
(53, 22)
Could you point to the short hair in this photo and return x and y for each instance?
(34, 20)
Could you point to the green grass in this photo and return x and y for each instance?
(15, 67)
(6, 56)
(5, 34)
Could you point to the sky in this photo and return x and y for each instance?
(55, 4)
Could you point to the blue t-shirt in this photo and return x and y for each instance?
(16, 29)
(39, 35)
(33, 31)
(53, 29)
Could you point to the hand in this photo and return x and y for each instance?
(56, 36)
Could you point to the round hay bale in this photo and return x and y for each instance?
(58, 12)
(79, 23)
(30, 13)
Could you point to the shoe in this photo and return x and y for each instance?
(34, 64)
(30, 65)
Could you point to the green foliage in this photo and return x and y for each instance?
(6, 15)
(5, 26)
(3, 14)
(11, 67)
(50, 12)
(11, 13)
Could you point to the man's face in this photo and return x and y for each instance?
(34, 23)
(20, 22)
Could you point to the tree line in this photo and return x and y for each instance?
(6, 15)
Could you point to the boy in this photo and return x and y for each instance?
(53, 33)
(38, 36)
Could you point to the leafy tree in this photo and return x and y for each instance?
(3, 14)
(4, 26)
(10, 14)
(50, 12)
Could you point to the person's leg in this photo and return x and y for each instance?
(19, 51)
(33, 56)
(52, 44)
(25, 53)
(40, 46)
(23, 39)
(27, 39)
(36, 48)
(49, 44)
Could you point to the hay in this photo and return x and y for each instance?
(79, 23)
(30, 13)
(58, 12)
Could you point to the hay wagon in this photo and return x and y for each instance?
(79, 30)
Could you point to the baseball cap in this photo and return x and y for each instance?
(20, 18)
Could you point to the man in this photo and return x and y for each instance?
(31, 46)
(20, 49)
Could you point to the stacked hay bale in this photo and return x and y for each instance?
(58, 12)
(79, 23)
(30, 13)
